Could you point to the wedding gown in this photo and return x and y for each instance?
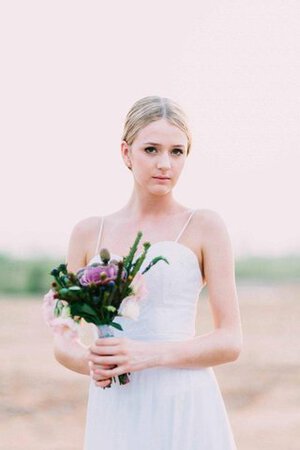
(161, 408)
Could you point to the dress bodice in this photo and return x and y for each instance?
(168, 312)
(162, 407)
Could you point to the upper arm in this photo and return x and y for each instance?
(77, 246)
(76, 258)
(219, 269)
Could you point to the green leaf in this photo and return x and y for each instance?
(79, 309)
(74, 288)
(63, 292)
(92, 319)
(154, 261)
(129, 258)
(116, 325)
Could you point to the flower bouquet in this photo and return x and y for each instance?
(98, 293)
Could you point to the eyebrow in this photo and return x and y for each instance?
(155, 143)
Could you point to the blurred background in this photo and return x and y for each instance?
(70, 73)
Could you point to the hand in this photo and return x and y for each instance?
(110, 357)
(99, 381)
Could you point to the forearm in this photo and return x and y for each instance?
(211, 349)
(71, 354)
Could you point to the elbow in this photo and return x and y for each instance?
(58, 351)
(235, 350)
(233, 346)
(234, 353)
(58, 356)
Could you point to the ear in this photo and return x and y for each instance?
(125, 150)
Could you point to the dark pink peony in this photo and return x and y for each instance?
(95, 274)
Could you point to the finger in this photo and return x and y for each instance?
(108, 360)
(98, 377)
(104, 349)
(98, 367)
(93, 361)
(93, 366)
(107, 341)
(109, 373)
(104, 383)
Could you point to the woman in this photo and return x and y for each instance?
(173, 399)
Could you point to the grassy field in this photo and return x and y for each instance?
(43, 404)
(31, 276)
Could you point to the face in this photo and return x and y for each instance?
(159, 150)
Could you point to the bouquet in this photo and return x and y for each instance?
(98, 293)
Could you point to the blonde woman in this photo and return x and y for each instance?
(173, 400)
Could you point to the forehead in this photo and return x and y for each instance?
(162, 132)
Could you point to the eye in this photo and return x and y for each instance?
(179, 150)
(174, 150)
(148, 148)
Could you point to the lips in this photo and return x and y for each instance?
(162, 178)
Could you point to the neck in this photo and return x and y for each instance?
(142, 206)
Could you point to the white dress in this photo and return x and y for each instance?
(161, 408)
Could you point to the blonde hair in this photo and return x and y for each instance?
(151, 108)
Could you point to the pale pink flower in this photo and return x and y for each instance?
(129, 308)
(138, 285)
(48, 306)
(130, 305)
(64, 324)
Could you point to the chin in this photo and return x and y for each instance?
(160, 191)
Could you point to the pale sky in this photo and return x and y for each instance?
(71, 70)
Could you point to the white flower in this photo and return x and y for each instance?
(129, 308)
(130, 305)
(65, 312)
(139, 287)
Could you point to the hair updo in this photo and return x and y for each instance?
(152, 108)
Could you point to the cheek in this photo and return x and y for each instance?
(143, 168)
(180, 166)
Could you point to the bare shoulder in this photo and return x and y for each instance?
(87, 225)
(211, 223)
(84, 229)
(80, 242)
(213, 232)
(217, 248)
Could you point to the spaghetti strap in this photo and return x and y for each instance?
(178, 237)
(185, 225)
(99, 236)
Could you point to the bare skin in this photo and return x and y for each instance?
(153, 209)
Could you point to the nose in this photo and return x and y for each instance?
(164, 161)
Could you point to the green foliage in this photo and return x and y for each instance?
(25, 276)
(32, 276)
(284, 268)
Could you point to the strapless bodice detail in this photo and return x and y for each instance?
(168, 312)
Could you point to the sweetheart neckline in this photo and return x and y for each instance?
(188, 249)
